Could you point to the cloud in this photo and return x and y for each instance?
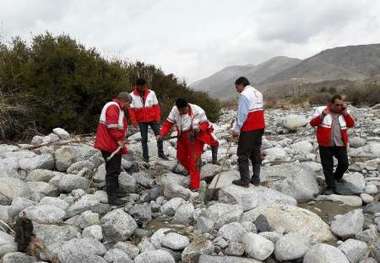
(194, 38)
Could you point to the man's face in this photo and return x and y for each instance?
(239, 88)
(337, 106)
(184, 110)
(140, 88)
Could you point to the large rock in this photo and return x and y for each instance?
(54, 201)
(252, 197)
(53, 236)
(223, 179)
(323, 253)
(354, 250)
(127, 183)
(225, 259)
(302, 147)
(232, 231)
(175, 241)
(87, 202)
(13, 187)
(196, 248)
(171, 206)
(116, 255)
(356, 142)
(349, 224)
(293, 180)
(292, 219)
(69, 182)
(256, 246)
(7, 244)
(43, 161)
(292, 122)
(118, 225)
(67, 155)
(44, 214)
(276, 154)
(175, 186)
(42, 175)
(18, 257)
(350, 200)
(82, 250)
(291, 246)
(353, 183)
(62, 134)
(155, 256)
(223, 214)
(184, 214)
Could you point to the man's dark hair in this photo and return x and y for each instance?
(242, 81)
(335, 97)
(181, 103)
(140, 82)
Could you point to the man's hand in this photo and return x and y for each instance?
(344, 109)
(325, 112)
(159, 137)
(121, 143)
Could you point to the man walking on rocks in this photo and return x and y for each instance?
(332, 122)
(110, 140)
(249, 127)
(194, 130)
(147, 112)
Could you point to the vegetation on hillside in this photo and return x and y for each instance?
(56, 81)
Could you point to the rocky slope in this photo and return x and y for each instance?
(60, 188)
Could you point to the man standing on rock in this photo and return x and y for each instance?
(147, 112)
(194, 130)
(110, 140)
(249, 127)
(332, 122)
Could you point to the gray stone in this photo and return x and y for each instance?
(141, 212)
(83, 249)
(87, 202)
(13, 187)
(43, 161)
(204, 224)
(353, 183)
(350, 200)
(44, 214)
(69, 182)
(127, 183)
(291, 246)
(252, 197)
(116, 255)
(175, 241)
(75, 168)
(223, 214)
(94, 231)
(62, 134)
(53, 236)
(171, 206)
(209, 170)
(130, 249)
(349, 224)
(367, 198)
(262, 224)
(7, 244)
(196, 248)
(41, 175)
(272, 236)
(87, 218)
(256, 246)
(292, 219)
(232, 231)
(276, 154)
(354, 250)
(225, 259)
(155, 256)
(223, 179)
(67, 155)
(118, 225)
(18, 257)
(293, 180)
(234, 249)
(43, 188)
(323, 253)
(302, 147)
(54, 201)
(371, 189)
(356, 142)
(184, 214)
(100, 174)
(293, 122)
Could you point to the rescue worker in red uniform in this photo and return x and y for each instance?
(194, 130)
(332, 122)
(147, 113)
(110, 137)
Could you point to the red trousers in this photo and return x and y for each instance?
(189, 151)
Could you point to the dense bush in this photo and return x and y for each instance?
(59, 82)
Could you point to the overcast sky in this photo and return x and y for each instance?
(195, 38)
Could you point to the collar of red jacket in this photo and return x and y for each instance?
(137, 93)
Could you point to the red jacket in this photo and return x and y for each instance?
(145, 106)
(323, 125)
(112, 127)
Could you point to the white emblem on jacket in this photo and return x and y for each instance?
(327, 120)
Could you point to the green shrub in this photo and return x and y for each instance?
(62, 83)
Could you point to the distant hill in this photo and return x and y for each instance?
(220, 84)
(277, 75)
